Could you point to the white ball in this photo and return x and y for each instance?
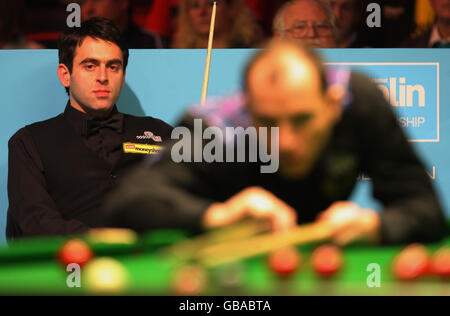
(105, 275)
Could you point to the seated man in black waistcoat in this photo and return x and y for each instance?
(60, 169)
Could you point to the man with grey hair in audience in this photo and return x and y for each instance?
(308, 21)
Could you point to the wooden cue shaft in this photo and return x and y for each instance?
(236, 232)
(232, 251)
(208, 55)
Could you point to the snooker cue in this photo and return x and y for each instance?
(235, 232)
(208, 55)
(257, 245)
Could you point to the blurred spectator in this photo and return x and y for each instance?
(423, 14)
(11, 26)
(162, 17)
(264, 12)
(438, 36)
(120, 12)
(397, 23)
(44, 20)
(349, 14)
(309, 21)
(234, 28)
(163, 14)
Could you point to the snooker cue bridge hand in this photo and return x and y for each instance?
(350, 223)
(253, 202)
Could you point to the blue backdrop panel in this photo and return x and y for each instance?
(162, 83)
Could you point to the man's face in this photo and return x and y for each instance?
(97, 76)
(109, 9)
(347, 15)
(292, 101)
(200, 12)
(442, 8)
(306, 21)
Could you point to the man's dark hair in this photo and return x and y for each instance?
(97, 28)
(313, 57)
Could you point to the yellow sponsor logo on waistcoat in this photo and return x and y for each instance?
(146, 149)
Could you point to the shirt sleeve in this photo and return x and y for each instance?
(412, 212)
(32, 211)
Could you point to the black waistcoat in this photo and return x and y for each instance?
(77, 179)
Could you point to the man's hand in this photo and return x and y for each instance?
(348, 223)
(251, 202)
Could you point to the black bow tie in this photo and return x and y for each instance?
(114, 123)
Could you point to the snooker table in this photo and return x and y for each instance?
(30, 267)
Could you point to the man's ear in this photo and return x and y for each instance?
(64, 75)
(334, 96)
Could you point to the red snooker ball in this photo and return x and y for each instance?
(190, 280)
(440, 263)
(327, 260)
(284, 262)
(411, 263)
(75, 251)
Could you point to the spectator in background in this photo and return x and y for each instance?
(234, 28)
(349, 15)
(308, 21)
(438, 36)
(120, 11)
(162, 17)
(397, 22)
(264, 12)
(11, 25)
